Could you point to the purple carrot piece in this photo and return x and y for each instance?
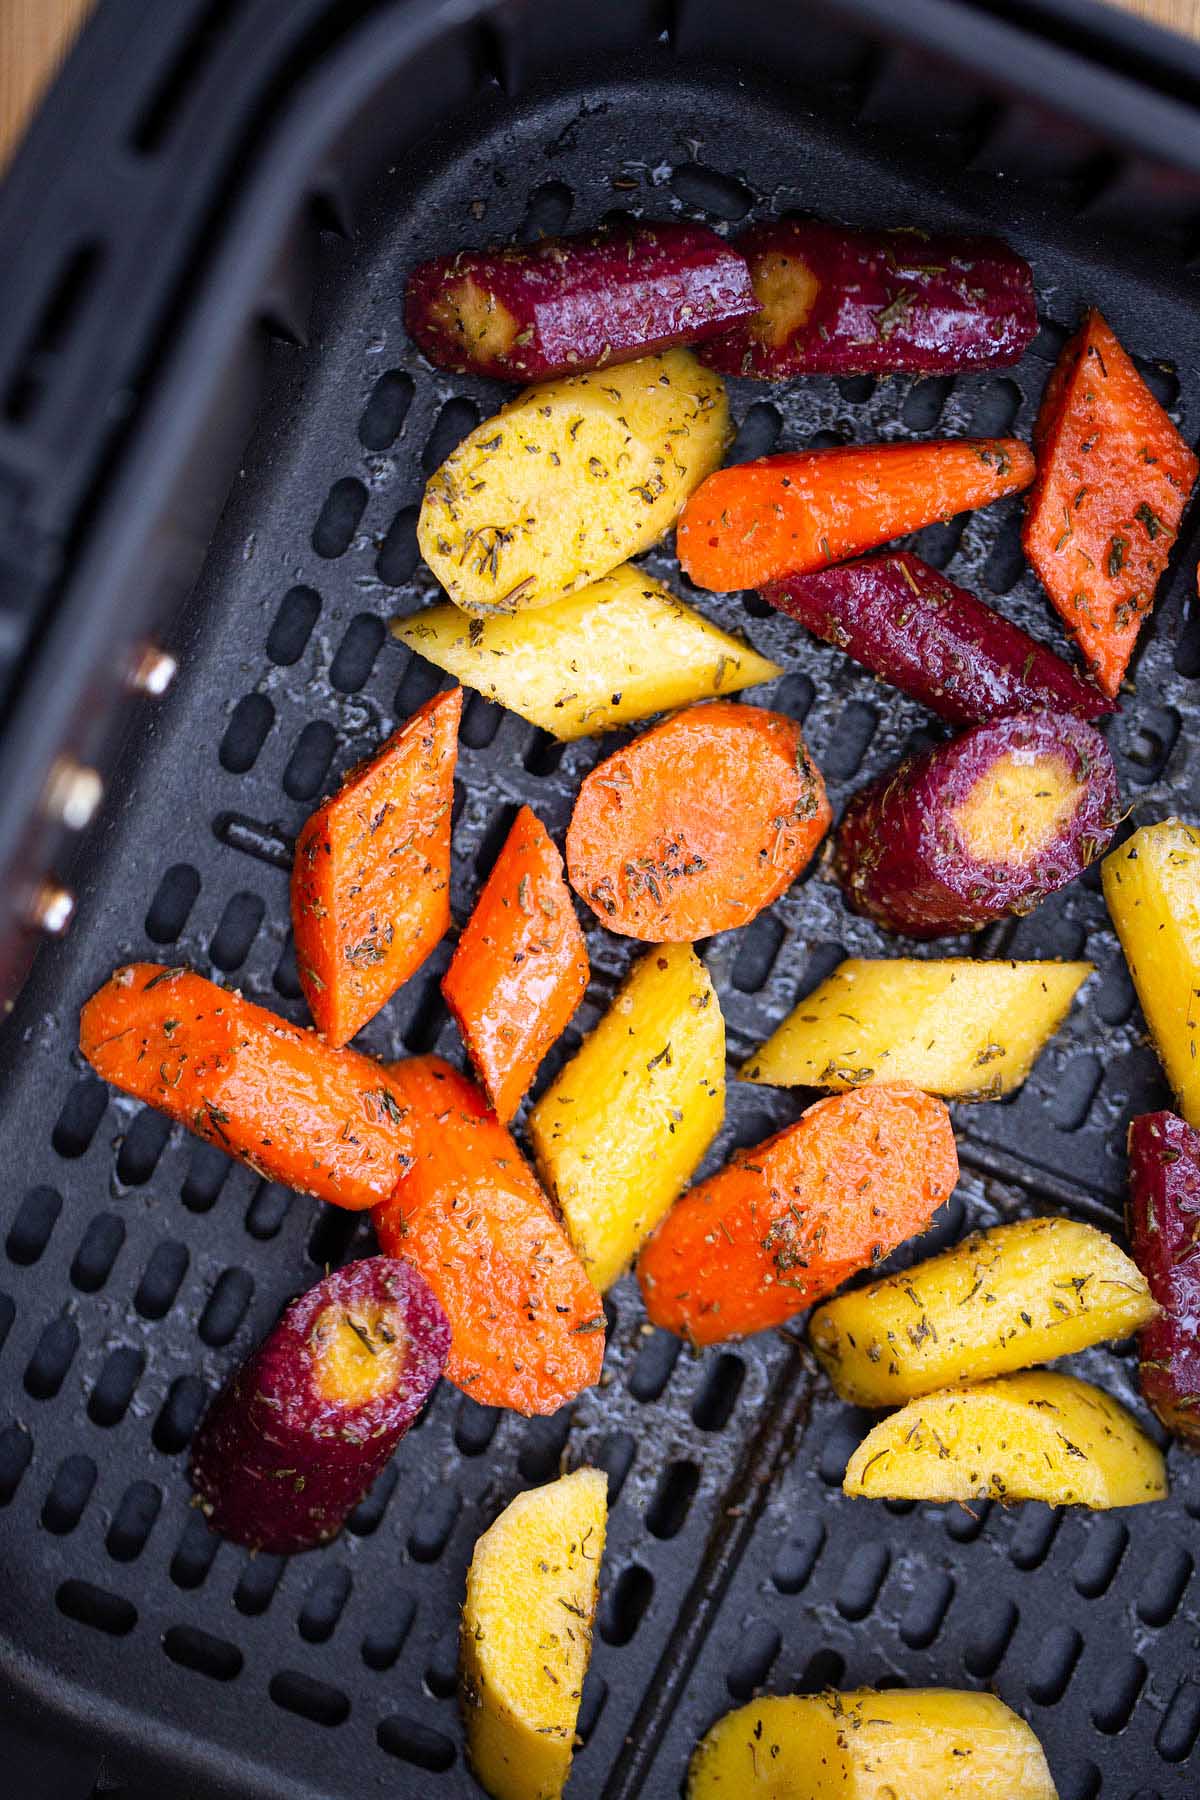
(932, 639)
(527, 311)
(1164, 1230)
(841, 302)
(979, 828)
(297, 1435)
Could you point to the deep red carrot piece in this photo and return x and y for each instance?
(528, 311)
(789, 514)
(930, 638)
(371, 879)
(294, 1440)
(840, 302)
(981, 827)
(1113, 478)
(521, 965)
(1164, 1231)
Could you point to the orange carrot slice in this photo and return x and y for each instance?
(791, 514)
(328, 1122)
(521, 966)
(792, 1219)
(1113, 479)
(527, 1325)
(698, 824)
(371, 879)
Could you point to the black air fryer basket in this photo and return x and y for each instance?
(206, 237)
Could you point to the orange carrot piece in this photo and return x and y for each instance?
(791, 514)
(521, 966)
(327, 1122)
(371, 879)
(527, 1326)
(698, 824)
(1113, 478)
(790, 1220)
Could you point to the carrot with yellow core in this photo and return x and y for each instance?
(981, 827)
(300, 1431)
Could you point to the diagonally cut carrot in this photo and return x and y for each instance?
(792, 1219)
(520, 968)
(790, 514)
(527, 1325)
(371, 879)
(327, 1122)
(1113, 478)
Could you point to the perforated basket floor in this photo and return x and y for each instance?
(139, 1266)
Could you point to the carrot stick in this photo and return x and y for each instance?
(521, 966)
(371, 879)
(527, 1327)
(1113, 479)
(698, 824)
(327, 1122)
(792, 1219)
(791, 514)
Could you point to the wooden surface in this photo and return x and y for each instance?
(35, 34)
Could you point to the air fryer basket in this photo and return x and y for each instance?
(139, 1265)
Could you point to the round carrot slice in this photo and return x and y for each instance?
(697, 825)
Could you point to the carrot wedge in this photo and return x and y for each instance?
(521, 966)
(791, 514)
(371, 879)
(788, 1221)
(1113, 479)
(527, 1326)
(327, 1122)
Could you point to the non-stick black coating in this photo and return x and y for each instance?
(733, 1559)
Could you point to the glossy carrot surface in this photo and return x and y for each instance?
(917, 629)
(1113, 478)
(789, 514)
(839, 302)
(527, 1326)
(524, 312)
(697, 825)
(371, 879)
(521, 966)
(327, 1122)
(790, 1220)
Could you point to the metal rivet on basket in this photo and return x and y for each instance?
(153, 671)
(52, 908)
(73, 793)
